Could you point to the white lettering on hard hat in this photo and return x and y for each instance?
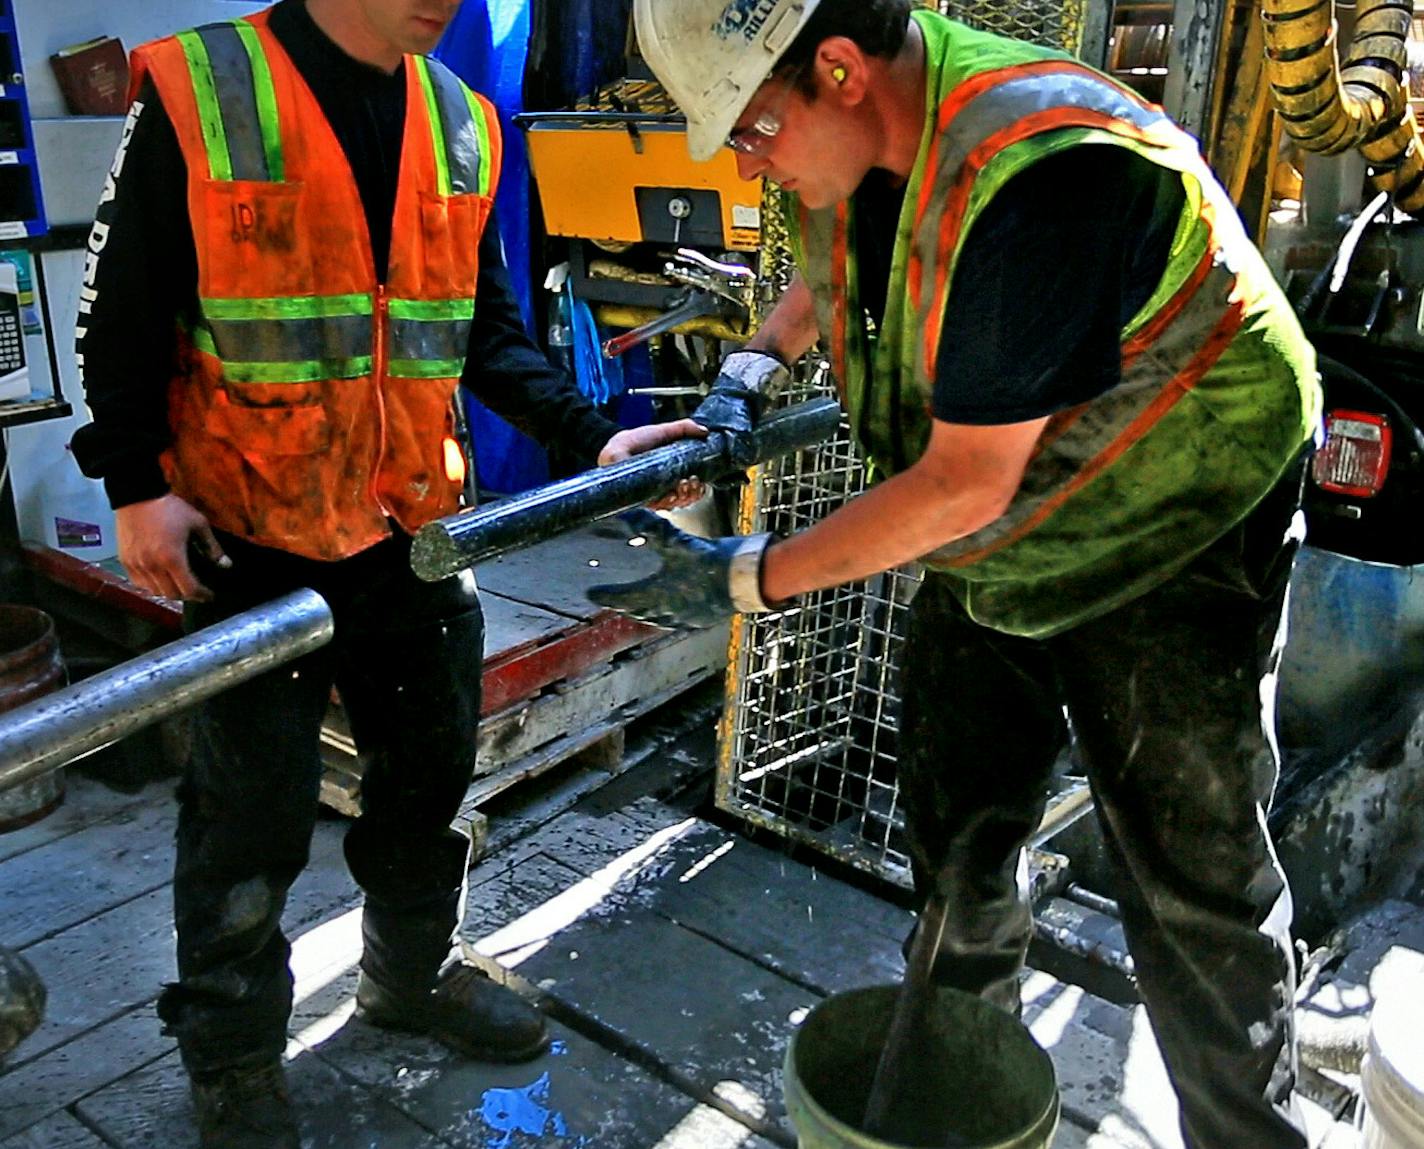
(743, 18)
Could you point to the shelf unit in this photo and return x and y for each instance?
(21, 205)
(23, 228)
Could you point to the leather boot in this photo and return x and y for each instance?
(466, 1011)
(245, 1108)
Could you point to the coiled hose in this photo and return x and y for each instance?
(1364, 104)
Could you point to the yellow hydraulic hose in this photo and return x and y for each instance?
(1364, 104)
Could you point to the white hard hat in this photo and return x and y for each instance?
(712, 56)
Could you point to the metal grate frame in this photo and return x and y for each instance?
(807, 744)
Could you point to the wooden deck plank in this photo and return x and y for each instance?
(72, 878)
(119, 959)
(708, 1016)
(86, 802)
(746, 896)
(58, 1132)
(38, 1089)
(591, 842)
(579, 1094)
(152, 1109)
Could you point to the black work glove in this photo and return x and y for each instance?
(734, 405)
(701, 581)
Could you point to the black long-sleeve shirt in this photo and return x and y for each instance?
(1064, 255)
(147, 275)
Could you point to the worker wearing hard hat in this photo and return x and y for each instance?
(1089, 406)
(281, 302)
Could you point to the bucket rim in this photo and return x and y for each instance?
(1044, 1122)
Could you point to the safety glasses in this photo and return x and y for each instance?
(757, 137)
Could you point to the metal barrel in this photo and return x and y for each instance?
(451, 544)
(52, 730)
(30, 666)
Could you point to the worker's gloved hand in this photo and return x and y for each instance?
(701, 581)
(747, 381)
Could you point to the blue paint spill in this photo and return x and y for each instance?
(507, 1112)
(559, 1049)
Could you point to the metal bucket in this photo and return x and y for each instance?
(983, 1083)
(30, 665)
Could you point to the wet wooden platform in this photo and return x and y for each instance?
(673, 955)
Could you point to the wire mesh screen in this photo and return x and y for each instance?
(1053, 23)
(807, 744)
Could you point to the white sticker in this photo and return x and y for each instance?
(746, 215)
(9, 157)
(12, 229)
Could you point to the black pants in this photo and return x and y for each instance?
(1165, 697)
(406, 660)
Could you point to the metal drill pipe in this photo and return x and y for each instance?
(58, 727)
(449, 545)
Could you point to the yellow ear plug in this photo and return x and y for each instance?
(838, 74)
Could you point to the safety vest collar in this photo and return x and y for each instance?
(237, 102)
(458, 131)
(1004, 107)
(306, 339)
(241, 122)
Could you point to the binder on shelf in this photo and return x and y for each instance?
(93, 77)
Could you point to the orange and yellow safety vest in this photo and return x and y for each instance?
(313, 404)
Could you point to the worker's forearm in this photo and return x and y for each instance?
(897, 522)
(790, 330)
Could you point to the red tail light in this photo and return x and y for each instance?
(1355, 458)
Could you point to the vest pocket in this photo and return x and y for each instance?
(263, 432)
(253, 240)
(451, 227)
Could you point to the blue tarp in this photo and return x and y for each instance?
(486, 45)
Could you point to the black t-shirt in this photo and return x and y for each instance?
(147, 274)
(1059, 261)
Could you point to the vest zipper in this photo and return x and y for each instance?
(378, 379)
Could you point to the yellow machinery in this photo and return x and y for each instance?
(616, 171)
(1330, 108)
(656, 242)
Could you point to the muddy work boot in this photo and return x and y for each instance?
(466, 1011)
(245, 1108)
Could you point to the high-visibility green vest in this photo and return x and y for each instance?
(1218, 392)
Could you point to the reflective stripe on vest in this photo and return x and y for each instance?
(461, 137)
(1015, 104)
(236, 102)
(289, 340)
(1186, 331)
(1216, 394)
(309, 339)
(429, 339)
